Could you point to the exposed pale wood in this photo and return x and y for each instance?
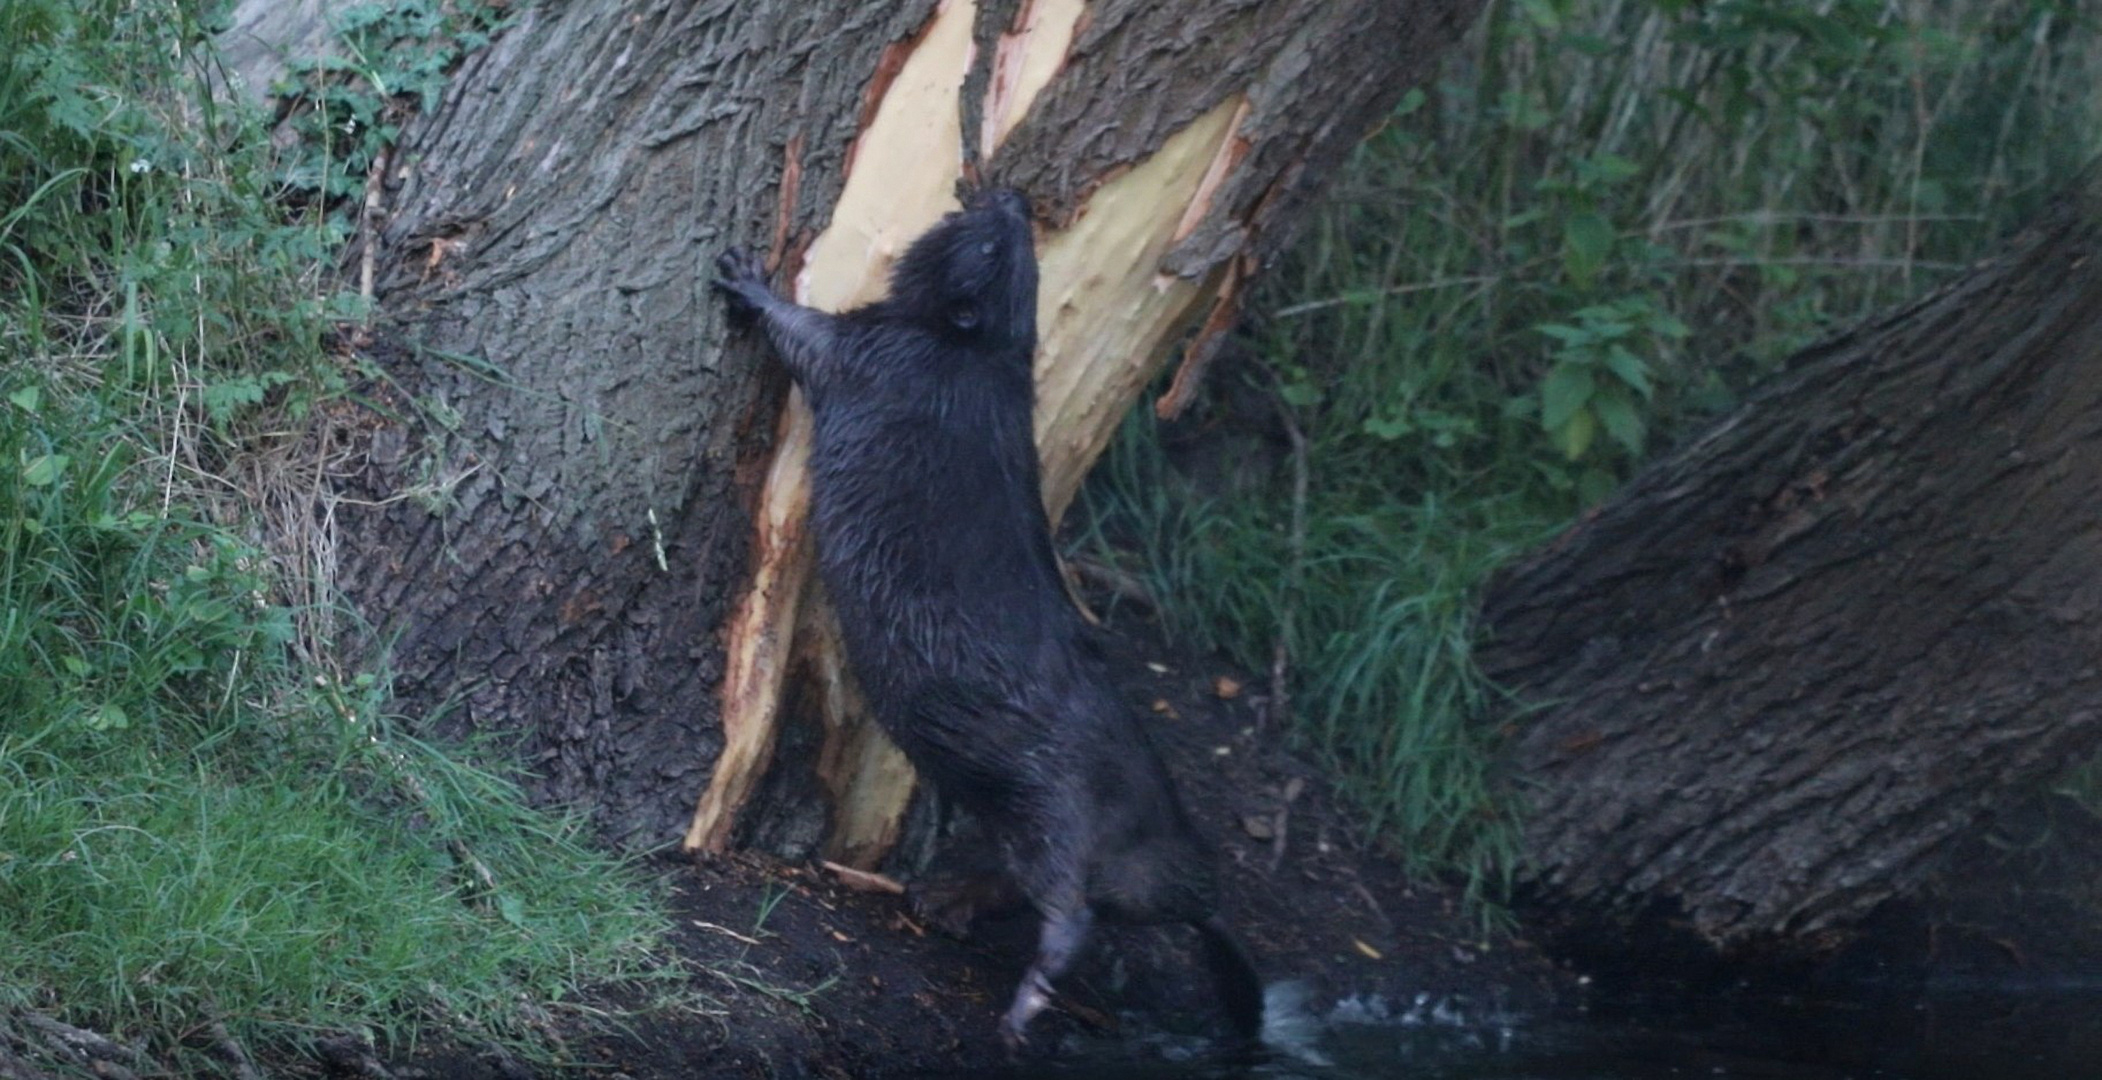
(1106, 314)
(898, 184)
(1109, 312)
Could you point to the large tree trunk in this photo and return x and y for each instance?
(583, 535)
(1791, 660)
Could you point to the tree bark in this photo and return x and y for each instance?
(569, 520)
(1783, 667)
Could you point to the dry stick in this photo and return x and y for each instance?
(1120, 584)
(368, 257)
(1280, 703)
(1377, 294)
(863, 880)
(727, 932)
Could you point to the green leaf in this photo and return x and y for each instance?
(26, 398)
(1587, 238)
(1542, 14)
(1622, 420)
(1563, 394)
(512, 909)
(110, 717)
(1388, 428)
(1576, 435)
(1300, 395)
(1630, 369)
(1606, 169)
(1595, 485)
(44, 469)
(1565, 333)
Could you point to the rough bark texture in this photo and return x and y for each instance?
(555, 219)
(1790, 661)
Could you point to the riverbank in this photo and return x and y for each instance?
(797, 970)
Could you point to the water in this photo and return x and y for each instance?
(2002, 1031)
(1995, 1035)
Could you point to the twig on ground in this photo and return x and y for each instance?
(863, 880)
(1278, 709)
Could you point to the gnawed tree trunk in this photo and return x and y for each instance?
(1790, 661)
(591, 538)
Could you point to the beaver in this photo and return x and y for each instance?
(935, 549)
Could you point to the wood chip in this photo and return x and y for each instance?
(863, 880)
(725, 931)
(1226, 687)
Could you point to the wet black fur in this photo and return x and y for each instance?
(935, 550)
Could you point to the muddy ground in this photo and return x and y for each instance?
(796, 971)
(800, 972)
(791, 970)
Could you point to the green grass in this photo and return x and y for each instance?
(154, 895)
(1596, 229)
(203, 818)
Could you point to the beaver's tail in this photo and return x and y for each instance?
(1240, 988)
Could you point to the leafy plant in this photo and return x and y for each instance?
(202, 819)
(1598, 226)
(1600, 376)
(392, 59)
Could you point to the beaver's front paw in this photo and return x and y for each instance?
(741, 277)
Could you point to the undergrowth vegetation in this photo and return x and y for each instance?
(1601, 224)
(204, 818)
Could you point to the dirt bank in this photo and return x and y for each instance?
(803, 973)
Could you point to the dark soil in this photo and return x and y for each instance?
(792, 970)
(802, 973)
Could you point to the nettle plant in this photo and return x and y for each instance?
(348, 106)
(1602, 376)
